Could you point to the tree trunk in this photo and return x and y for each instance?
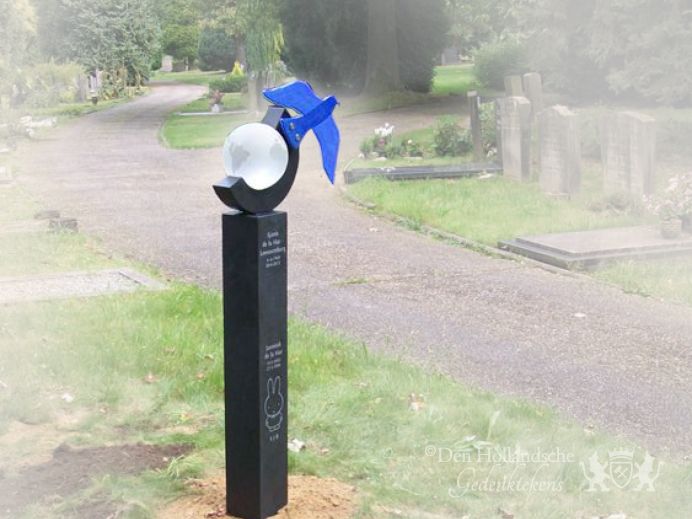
(257, 82)
(382, 73)
(240, 54)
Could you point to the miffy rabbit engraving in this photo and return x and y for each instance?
(274, 405)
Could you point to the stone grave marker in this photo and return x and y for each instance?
(560, 151)
(476, 129)
(588, 250)
(515, 130)
(533, 89)
(629, 153)
(513, 86)
(167, 63)
(5, 175)
(642, 149)
(66, 285)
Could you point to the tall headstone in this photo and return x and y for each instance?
(167, 63)
(255, 362)
(515, 130)
(642, 133)
(498, 127)
(82, 88)
(560, 151)
(476, 129)
(628, 153)
(513, 86)
(533, 90)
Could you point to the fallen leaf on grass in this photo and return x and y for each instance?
(295, 445)
(219, 512)
(416, 402)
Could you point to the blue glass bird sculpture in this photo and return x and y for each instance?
(315, 114)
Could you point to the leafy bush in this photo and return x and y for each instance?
(380, 143)
(450, 139)
(216, 50)
(497, 60)
(47, 84)
(410, 148)
(229, 83)
(676, 201)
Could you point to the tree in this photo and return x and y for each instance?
(103, 34)
(18, 28)
(382, 72)
(474, 23)
(558, 33)
(655, 64)
(421, 36)
(384, 44)
(217, 50)
(180, 28)
(326, 41)
(260, 23)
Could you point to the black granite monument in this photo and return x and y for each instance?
(261, 161)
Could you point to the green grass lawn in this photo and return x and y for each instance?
(454, 80)
(200, 131)
(148, 366)
(485, 211)
(69, 110)
(235, 101)
(40, 252)
(666, 279)
(448, 80)
(203, 132)
(157, 371)
(192, 77)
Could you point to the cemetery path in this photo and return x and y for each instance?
(603, 357)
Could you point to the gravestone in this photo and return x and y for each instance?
(629, 153)
(450, 56)
(515, 131)
(498, 128)
(256, 363)
(261, 162)
(533, 89)
(560, 151)
(476, 129)
(642, 133)
(83, 88)
(167, 63)
(513, 86)
(5, 175)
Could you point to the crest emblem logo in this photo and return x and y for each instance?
(621, 469)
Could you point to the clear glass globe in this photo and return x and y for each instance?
(257, 153)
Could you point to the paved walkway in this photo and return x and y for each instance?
(598, 355)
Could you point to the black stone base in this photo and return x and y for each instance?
(255, 363)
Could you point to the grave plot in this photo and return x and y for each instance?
(73, 284)
(588, 250)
